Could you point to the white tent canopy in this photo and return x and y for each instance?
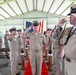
(17, 12)
(10, 8)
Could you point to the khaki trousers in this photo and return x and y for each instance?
(36, 62)
(0, 45)
(47, 52)
(70, 67)
(14, 59)
(56, 62)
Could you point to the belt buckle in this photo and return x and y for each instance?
(36, 50)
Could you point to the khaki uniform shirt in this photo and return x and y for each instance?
(55, 44)
(15, 44)
(70, 47)
(36, 41)
(48, 41)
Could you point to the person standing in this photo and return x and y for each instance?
(69, 34)
(56, 54)
(21, 54)
(36, 40)
(0, 42)
(48, 42)
(14, 45)
(6, 40)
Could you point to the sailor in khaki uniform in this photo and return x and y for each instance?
(14, 45)
(20, 37)
(36, 40)
(70, 43)
(48, 42)
(56, 51)
(0, 42)
(21, 53)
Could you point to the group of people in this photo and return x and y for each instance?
(16, 45)
(49, 42)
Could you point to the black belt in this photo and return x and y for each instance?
(56, 48)
(36, 50)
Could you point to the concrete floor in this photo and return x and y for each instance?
(5, 67)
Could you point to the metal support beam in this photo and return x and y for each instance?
(0, 20)
(26, 5)
(36, 4)
(59, 6)
(12, 9)
(5, 11)
(19, 7)
(15, 17)
(43, 4)
(51, 5)
(3, 16)
(33, 4)
(66, 8)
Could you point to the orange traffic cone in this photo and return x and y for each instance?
(23, 62)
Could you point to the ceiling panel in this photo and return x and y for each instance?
(4, 13)
(30, 4)
(9, 10)
(63, 7)
(40, 4)
(47, 5)
(55, 5)
(22, 5)
(15, 7)
(2, 18)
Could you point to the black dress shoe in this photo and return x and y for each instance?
(18, 73)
